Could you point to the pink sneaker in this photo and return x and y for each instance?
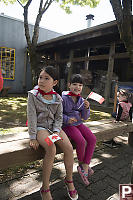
(90, 171)
(83, 175)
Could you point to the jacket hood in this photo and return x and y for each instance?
(64, 93)
(35, 92)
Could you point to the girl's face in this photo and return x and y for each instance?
(46, 82)
(122, 97)
(75, 88)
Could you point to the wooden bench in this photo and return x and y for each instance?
(15, 150)
(4, 91)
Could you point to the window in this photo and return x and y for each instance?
(7, 62)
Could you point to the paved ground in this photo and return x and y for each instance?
(111, 166)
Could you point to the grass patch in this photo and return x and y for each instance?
(3, 131)
(13, 115)
(98, 115)
(12, 110)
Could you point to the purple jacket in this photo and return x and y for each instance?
(71, 109)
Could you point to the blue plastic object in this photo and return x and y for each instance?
(126, 87)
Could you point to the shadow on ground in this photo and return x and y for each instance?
(111, 166)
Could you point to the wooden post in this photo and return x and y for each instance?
(109, 74)
(115, 97)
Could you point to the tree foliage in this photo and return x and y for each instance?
(43, 6)
(12, 1)
(65, 4)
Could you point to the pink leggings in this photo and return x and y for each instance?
(85, 141)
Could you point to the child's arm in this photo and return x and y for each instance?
(85, 111)
(67, 119)
(58, 119)
(32, 117)
(86, 104)
(65, 116)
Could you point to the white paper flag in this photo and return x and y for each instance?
(96, 97)
(52, 138)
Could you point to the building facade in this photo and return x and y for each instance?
(96, 52)
(15, 69)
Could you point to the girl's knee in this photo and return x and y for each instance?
(81, 142)
(51, 150)
(94, 139)
(69, 149)
(91, 139)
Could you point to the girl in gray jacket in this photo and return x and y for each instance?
(44, 111)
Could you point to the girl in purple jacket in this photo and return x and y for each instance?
(76, 109)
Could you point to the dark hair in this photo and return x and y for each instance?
(123, 92)
(76, 78)
(128, 94)
(51, 71)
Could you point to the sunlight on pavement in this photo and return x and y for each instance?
(114, 197)
(106, 155)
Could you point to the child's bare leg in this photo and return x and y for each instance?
(67, 148)
(47, 161)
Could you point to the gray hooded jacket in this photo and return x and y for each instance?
(44, 115)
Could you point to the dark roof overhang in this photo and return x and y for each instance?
(101, 34)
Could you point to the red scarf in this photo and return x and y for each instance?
(74, 95)
(45, 93)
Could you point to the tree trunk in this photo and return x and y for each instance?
(123, 14)
(34, 65)
(125, 30)
(32, 44)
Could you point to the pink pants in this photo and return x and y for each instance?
(85, 141)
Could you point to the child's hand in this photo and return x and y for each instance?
(86, 104)
(58, 133)
(72, 120)
(34, 144)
